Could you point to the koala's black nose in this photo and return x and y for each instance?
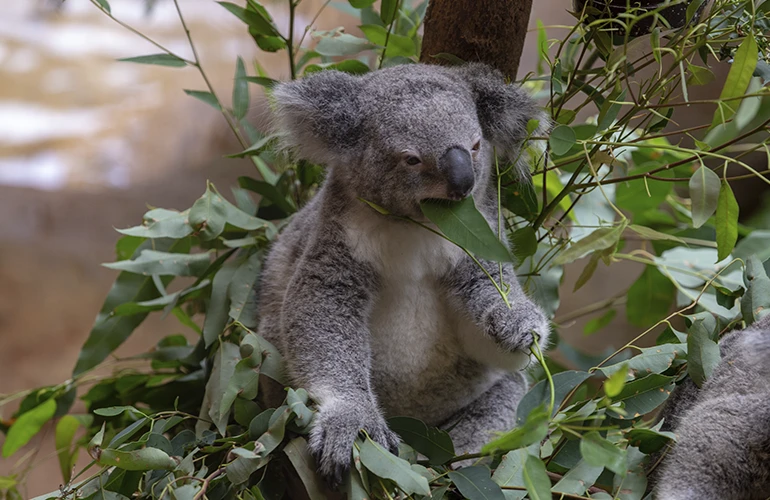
(457, 166)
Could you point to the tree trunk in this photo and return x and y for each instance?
(489, 31)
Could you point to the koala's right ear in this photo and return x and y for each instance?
(319, 117)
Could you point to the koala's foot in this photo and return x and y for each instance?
(513, 328)
(335, 428)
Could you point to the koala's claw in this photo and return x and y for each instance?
(336, 427)
(513, 328)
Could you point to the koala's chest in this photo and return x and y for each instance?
(413, 327)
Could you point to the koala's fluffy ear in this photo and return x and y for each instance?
(318, 117)
(503, 111)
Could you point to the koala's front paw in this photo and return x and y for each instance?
(513, 328)
(335, 428)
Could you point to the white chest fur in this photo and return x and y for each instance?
(411, 323)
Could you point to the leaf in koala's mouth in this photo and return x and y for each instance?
(463, 224)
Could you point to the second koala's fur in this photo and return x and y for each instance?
(723, 429)
(375, 316)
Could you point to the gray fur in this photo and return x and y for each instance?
(375, 316)
(723, 429)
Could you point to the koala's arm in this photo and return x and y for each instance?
(327, 339)
(511, 328)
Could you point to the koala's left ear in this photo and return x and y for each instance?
(504, 111)
(318, 117)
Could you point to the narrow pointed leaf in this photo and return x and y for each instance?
(726, 222)
(704, 193)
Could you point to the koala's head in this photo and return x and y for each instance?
(405, 134)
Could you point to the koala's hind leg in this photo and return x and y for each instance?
(493, 411)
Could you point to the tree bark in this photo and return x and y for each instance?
(489, 31)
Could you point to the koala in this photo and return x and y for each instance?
(723, 429)
(376, 316)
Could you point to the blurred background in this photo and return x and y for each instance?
(88, 143)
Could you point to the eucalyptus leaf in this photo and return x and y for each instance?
(726, 221)
(27, 426)
(599, 452)
(432, 442)
(463, 224)
(536, 479)
(704, 193)
(157, 59)
(475, 483)
(388, 466)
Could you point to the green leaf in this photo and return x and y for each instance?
(110, 331)
(66, 428)
(104, 5)
(475, 483)
(243, 383)
(534, 430)
(211, 212)
(162, 302)
(699, 75)
(656, 359)
(595, 324)
(206, 97)
(562, 139)
(587, 273)
(269, 192)
(243, 291)
(615, 383)
(524, 242)
(756, 301)
(702, 355)
(152, 262)
(247, 462)
(361, 4)
(217, 311)
(510, 472)
(610, 109)
(432, 442)
(299, 455)
(653, 235)
(161, 223)
(599, 452)
(578, 479)
(240, 91)
(158, 60)
(397, 45)
(388, 466)
(599, 239)
(27, 425)
(255, 149)
(536, 479)
(388, 10)
(275, 430)
(643, 395)
(225, 360)
(464, 225)
(113, 411)
(726, 222)
(540, 393)
(649, 298)
(704, 192)
(744, 63)
(342, 45)
(268, 83)
(256, 20)
(142, 459)
(649, 440)
(352, 66)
